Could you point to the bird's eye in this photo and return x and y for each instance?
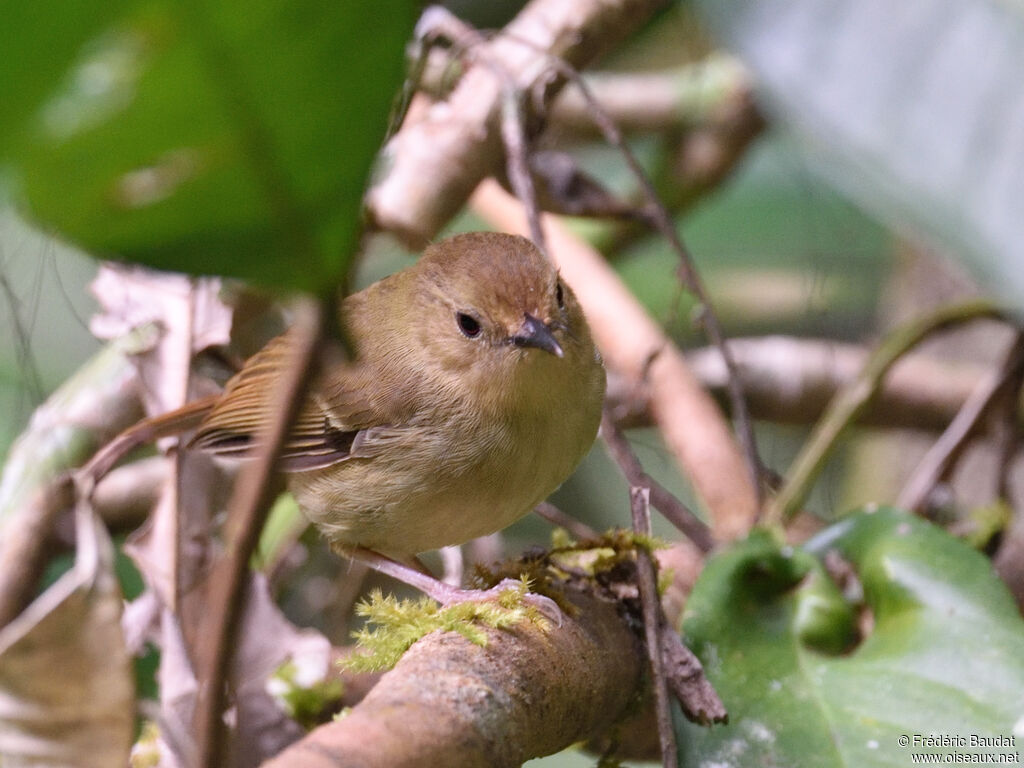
(560, 295)
(468, 324)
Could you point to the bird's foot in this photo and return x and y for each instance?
(446, 594)
(517, 590)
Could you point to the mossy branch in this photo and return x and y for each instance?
(394, 625)
(528, 692)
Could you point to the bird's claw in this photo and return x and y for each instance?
(547, 607)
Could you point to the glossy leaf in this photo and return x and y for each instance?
(916, 109)
(945, 654)
(223, 137)
(30, 70)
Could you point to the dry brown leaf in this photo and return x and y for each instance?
(188, 310)
(66, 679)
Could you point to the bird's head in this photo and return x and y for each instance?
(496, 305)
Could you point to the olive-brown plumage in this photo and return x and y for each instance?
(475, 391)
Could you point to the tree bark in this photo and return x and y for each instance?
(444, 149)
(529, 692)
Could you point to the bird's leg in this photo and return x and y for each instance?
(415, 574)
(451, 559)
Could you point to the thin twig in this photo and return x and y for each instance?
(661, 220)
(692, 424)
(672, 508)
(577, 528)
(456, 143)
(1007, 440)
(945, 451)
(516, 151)
(855, 397)
(685, 677)
(513, 133)
(639, 504)
(247, 512)
(22, 334)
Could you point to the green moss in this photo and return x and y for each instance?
(393, 625)
(665, 578)
(985, 523)
(595, 557)
(146, 752)
(560, 538)
(304, 702)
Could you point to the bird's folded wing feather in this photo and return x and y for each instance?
(319, 437)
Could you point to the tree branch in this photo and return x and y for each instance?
(655, 102)
(647, 585)
(445, 149)
(247, 512)
(674, 510)
(528, 693)
(88, 409)
(789, 380)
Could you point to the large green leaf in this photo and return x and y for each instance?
(914, 108)
(28, 71)
(945, 655)
(220, 137)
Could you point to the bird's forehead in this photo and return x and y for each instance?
(502, 274)
(515, 285)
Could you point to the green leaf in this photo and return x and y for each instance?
(30, 69)
(220, 137)
(945, 655)
(284, 524)
(914, 109)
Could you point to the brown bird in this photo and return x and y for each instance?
(475, 390)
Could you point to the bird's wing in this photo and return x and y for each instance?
(319, 437)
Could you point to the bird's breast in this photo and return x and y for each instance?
(466, 470)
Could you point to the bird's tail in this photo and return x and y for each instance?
(167, 424)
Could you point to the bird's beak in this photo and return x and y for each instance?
(533, 333)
